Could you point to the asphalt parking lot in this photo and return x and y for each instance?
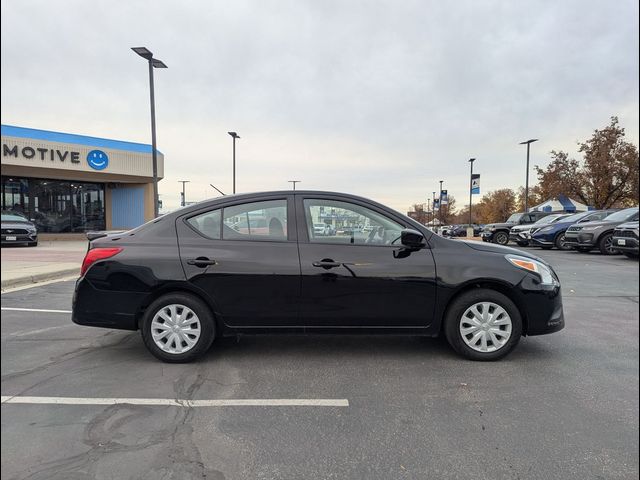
(561, 406)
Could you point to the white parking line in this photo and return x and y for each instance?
(250, 402)
(16, 309)
(24, 333)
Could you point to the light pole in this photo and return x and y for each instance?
(428, 209)
(153, 63)
(433, 217)
(526, 185)
(440, 204)
(235, 136)
(184, 199)
(471, 160)
(294, 183)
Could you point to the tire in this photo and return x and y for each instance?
(501, 238)
(633, 256)
(456, 317)
(605, 245)
(560, 243)
(523, 244)
(178, 301)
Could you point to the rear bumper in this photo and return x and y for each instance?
(103, 308)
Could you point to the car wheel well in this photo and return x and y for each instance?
(153, 296)
(489, 285)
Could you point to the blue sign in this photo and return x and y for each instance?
(475, 184)
(97, 159)
(444, 197)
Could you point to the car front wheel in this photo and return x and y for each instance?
(606, 246)
(501, 238)
(483, 325)
(561, 243)
(177, 328)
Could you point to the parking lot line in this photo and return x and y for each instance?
(16, 309)
(173, 402)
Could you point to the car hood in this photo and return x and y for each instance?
(499, 225)
(630, 225)
(17, 225)
(600, 223)
(499, 249)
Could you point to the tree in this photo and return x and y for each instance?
(447, 213)
(496, 206)
(606, 177)
(536, 197)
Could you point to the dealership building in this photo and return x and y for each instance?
(68, 183)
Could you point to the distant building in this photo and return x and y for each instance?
(73, 183)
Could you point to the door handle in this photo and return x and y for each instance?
(201, 262)
(326, 263)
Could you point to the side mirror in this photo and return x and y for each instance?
(412, 239)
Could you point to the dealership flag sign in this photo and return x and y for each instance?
(444, 197)
(475, 184)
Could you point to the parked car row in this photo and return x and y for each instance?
(608, 231)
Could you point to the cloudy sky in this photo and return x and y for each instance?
(378, 98)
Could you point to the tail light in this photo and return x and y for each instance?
(96, 254)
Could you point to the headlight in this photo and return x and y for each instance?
(586, 229)
(534, 266)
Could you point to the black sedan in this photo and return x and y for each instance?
(18, 230)
(209, 270)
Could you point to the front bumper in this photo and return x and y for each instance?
(580, 239)
(626, 244)
(542, 307)
(519, 237)
(543, 240)
(19, 239)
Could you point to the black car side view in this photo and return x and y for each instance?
(253, 263)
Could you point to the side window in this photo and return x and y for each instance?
(207, 224)
(256, 221)
(330, 221)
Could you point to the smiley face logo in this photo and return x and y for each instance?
(97, 159)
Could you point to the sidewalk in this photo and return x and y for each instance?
(50, 260)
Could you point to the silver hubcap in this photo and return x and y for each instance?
(485, 327)
(175, 329)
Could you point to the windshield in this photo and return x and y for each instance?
(13, 217)
(577, 217)
(622, 215)
(515, 218)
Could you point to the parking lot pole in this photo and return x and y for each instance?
(184, 199)
(471, 160)
(526, 185)
(440, 204)
(235, 136)
(433, 217)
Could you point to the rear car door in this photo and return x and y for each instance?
(244, 256)
(350, 277)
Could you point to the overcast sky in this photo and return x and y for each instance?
(377, 98)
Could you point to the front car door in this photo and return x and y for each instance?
(244, 256)
(350, 276)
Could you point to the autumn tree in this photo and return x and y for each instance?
(536, 197)
(496, 206)
(447, 213)
(606, 177)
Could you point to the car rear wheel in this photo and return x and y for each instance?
(605, 245)
(483, 325)
(501, 238)
(177, 328)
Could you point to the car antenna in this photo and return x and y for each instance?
(216, 188)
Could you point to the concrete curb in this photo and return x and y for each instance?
(39, 277)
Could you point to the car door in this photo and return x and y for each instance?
(244, 255)
(350, 277)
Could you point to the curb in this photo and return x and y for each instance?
(39, 277)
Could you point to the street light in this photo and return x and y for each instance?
(294, 183)
(526, 185)
(184, 199)
(234, 135)
(153, 63)
(440, 204)
(433, 217)
(471, 160)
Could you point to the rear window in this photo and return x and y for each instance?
(207, 223)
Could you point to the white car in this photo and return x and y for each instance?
(321, 229)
